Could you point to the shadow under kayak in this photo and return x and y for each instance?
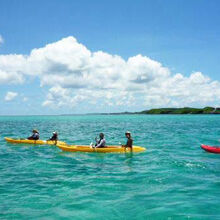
(108, 149)
(37, 142)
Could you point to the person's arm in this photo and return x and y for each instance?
(30, 137)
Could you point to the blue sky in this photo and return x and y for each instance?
(182, 35)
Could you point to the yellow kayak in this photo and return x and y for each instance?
(108, 149)
(25, 141)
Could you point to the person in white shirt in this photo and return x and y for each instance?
(35, 135)
(101, 142)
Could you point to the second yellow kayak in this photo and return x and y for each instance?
(40, 142)
(109, 149)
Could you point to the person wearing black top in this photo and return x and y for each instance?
(129, 143)
(54, 137)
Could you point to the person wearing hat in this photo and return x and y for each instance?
(129, 140)
(54, 137)
(101, 142)
(35, 135)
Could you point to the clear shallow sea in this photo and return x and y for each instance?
(173, 179)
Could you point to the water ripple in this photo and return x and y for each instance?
(173, 179)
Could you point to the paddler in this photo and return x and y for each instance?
(35, 135)
(129, 143)
(54, 137)
(101, 142)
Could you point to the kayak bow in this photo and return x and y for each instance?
(211, 149)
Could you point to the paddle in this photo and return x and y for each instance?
(91, 145)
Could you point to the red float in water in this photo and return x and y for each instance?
(211, 149)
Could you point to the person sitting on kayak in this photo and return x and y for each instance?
(101, 142)
(129, 143)
(35, 135)
(54, 137)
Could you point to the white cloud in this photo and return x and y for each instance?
(10, 96)
(77, 75)
(12, 69)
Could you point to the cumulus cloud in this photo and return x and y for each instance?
(61, 97)
(74, 75)
(10, 96)
(12, 69)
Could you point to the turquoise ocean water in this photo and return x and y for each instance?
(173, 179)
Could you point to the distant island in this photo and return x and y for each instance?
(185, 110)
(162, 111)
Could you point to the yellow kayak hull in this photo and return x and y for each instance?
(109, 149)
(37, 142)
